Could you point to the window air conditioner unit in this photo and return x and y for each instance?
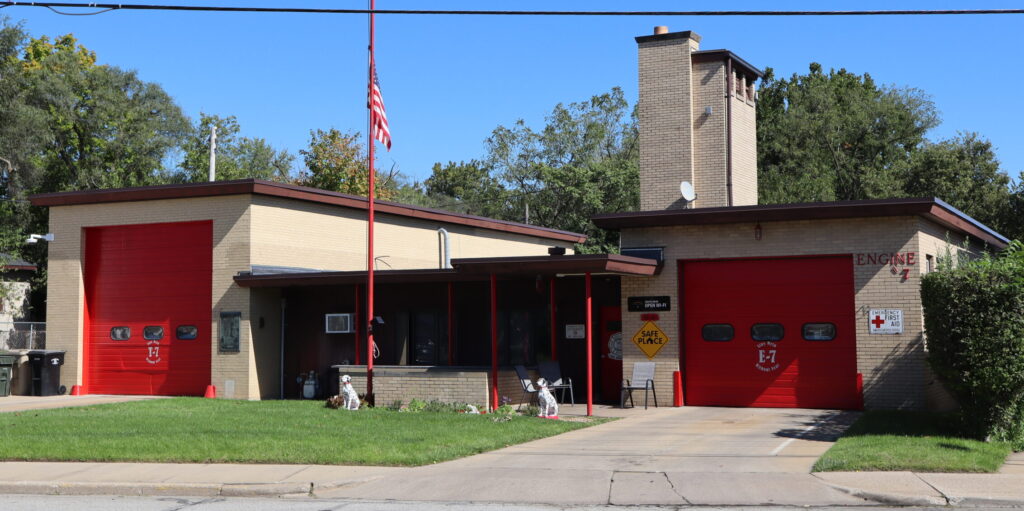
(339, 323)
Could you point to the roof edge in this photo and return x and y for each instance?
(274, 189)
(929, 207)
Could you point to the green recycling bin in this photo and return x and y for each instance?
(7, 361)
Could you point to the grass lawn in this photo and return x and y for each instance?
(225, 431)
(917, 441)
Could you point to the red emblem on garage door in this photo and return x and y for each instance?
(766, 356)
(153, 352)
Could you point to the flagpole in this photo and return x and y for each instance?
(369, 224)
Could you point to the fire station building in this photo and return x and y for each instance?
(250, 286)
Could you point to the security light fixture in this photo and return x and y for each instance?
(35, 238)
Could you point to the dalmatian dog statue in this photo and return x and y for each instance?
(348, 394)
(548, 405)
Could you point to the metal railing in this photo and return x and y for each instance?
(23, 335)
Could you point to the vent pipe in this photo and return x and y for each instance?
(446, 249)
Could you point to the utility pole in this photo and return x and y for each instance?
(213, 153)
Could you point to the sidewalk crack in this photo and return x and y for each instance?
(611, 482)
(949, 501)
(674, 490)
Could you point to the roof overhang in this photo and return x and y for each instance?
(302, 193)
(464, 270)
(930, 208)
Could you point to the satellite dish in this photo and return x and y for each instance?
(686, 189)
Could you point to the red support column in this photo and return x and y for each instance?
(590, 350)
(494, 342)
(451, 325)
(358, 323)
(554, 327)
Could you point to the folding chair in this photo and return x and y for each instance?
(643, 379)
(552, 372)
(527, 383)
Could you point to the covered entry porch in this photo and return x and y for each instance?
(456, 334)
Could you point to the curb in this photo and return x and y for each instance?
(156, 489)
(893, 499)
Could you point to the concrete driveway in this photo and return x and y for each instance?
(688, 455)
(688, 439)
(24, 403)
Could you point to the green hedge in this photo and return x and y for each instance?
(974, 319)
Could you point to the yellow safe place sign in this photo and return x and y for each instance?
(650, 339)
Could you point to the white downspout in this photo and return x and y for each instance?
(446, 256)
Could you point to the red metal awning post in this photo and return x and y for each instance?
(554, 327)
(451, 325)
(494, 341)
(590, 350)
(358, 323)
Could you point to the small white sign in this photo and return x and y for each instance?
(885, 321)
(575, 331)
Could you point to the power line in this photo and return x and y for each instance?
(299, 10)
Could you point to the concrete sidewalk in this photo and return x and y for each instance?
(667, 456)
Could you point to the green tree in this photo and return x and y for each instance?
(67, 123)
(836, 136)
(336, 161)
(237, 157)
(583, 162)
(964, 172)
(108, 128)
(466, 187)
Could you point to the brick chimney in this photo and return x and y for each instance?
(697, 123)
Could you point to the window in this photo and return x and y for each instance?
(929, 263)
(153, 333)
(819, 331)
(717, 332)
(121, 333)
(338, 323)
(186, 332)
(767, 332)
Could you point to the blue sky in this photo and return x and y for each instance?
(448, 81)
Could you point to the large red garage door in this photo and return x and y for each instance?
(770, 332)
(147, 301)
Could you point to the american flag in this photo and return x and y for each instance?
(378, 118)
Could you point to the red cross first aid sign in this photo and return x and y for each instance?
(885, 321)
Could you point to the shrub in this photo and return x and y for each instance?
(974, 319)
(416, 405)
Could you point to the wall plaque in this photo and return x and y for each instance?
(649, 303)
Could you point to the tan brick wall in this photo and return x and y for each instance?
(893, 365)
(665, 112)
(448, 385)
(334, 238)
(65, 290)
(744, 152)
(709, 157)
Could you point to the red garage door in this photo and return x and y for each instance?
(147, 308)
(770, 332)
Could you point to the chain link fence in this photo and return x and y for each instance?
(23, 335)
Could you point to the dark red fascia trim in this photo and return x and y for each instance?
(930, 208)
(466, 270)
(269, 188)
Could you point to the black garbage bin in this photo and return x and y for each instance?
(7, 361)
(46, 372)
